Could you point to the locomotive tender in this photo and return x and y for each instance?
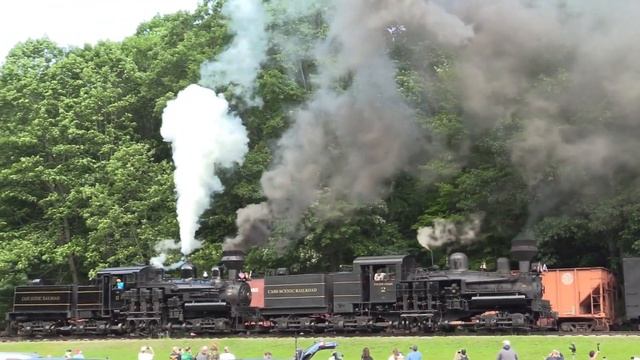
(380, 293)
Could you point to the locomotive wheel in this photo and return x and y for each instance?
(12, 328)
(51, 329)
(131, 328)
(153, 330)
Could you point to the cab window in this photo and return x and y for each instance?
(383, 273)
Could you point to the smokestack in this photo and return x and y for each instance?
(233, 261)
(188, 270)
(523, 251)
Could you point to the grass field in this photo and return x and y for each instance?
(432, 348)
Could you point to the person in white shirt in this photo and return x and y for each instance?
(227, 355)
(146, 353)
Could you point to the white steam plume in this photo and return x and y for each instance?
(240, 62)
(203, 135)
(199, 126)
(161, 248)
(446, 231)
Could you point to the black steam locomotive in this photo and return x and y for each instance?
(134, 300)
(380, 293)
(391, 293)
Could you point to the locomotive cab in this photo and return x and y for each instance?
(380, 276)
(114, 282)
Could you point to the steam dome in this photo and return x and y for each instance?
(458, 262)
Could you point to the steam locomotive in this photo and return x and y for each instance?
(134, 300)
(387, 293)
(380, 293)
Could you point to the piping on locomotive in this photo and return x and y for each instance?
(380, 293)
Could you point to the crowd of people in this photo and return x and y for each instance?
(186, 353)
(414, 354)
(77, 354)
(212, 352)
(505, 353)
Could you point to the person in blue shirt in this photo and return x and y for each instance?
(119, 284)
(414, 354)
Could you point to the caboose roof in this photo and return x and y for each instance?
(124, 270)
(382, 260)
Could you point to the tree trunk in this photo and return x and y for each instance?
(73, 269)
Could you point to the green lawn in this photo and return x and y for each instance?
(432, 348)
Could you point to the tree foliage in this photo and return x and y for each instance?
(85, 181)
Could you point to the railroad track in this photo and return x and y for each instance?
(320, 335)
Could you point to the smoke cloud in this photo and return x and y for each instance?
(162, 248)
(348, 141)
(253, 222)
(203, 135)
(239, 64)
(568, 73)
(446, 231)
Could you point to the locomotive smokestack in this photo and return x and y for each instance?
(188, 270)
(523, 251)
(233, 261)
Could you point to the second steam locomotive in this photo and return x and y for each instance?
(379, 293)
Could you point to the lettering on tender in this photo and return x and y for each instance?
(40, 298)
(292, 291)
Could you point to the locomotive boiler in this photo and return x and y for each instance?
(135, 300)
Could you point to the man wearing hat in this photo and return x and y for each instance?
(507, 353)
(414, 354)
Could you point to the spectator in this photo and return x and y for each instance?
(414, 354)
(267, 356)
(146, 353)
(226, 354)
(366, 355)
(175, 353)
(461, 355)
(396, 355)
(593, 354)
(507, 353)
(203, 354)
(186, 354)
(213, 352)
(555, 355)
(78, 355)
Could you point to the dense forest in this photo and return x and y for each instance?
(366, 122)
